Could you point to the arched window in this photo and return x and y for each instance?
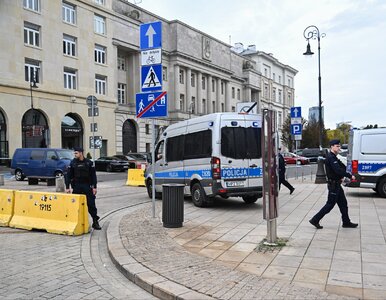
(3, 137)
(72, 131)
(35, 131)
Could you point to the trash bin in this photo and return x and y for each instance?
(59, 183)
(172, 205)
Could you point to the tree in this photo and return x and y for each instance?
(286, 136)
(310, 136)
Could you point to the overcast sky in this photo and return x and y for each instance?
(353, 52)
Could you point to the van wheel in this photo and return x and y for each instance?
(149, 187)
(250, 199)
(199, 197)
(381, 187)
(19, 175)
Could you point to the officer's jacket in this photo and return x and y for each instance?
(335, 169)
(81, 171)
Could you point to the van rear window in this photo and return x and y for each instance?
(241, 142)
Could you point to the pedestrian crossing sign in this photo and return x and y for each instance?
(151, 78)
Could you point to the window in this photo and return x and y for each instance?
(121, 93)
(238, 94)
(192, 109)
(203, 82)
(266, 94)
(99, 24)
(198, 145)
(147, 129)
(193, 80)
(174, 151)
(37, 155)
(274, 94)
(265, 72)
(100, 84)
(204, 106)
(279, 79)
(279, 99)
(222, 107)
(279, 119)
(213, 106)
(182, 102)
(241, 142)
(273, 76)
(31, 34)
(100, 54)
(289, 82)
(121, 63)
(233, 93)
(68, 13)
(100, 2)
(32, 4)
(69, 78)
(69, 45)
(213, 87)
(32, 70)
(233, 109)
(164, 74)
(289, 98)
(182, 76)
(159, 151)
(222, 88)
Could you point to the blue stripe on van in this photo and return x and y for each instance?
(226, 173)
(370, 167)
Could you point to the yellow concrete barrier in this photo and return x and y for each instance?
(54, 212)
(135, 177)
(7, 201)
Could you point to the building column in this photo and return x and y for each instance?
(218, 95)
(228, 92)
(199, 108)
(209, 91)
(175, 105)
(188, 86)
(248, 95)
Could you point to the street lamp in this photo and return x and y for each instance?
(32, 84)
(312, 32)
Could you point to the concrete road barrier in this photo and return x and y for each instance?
(7, 201)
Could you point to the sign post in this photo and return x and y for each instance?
(92, 102)
(152, 104)
(296, 129)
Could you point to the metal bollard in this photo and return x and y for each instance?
(59, 183)
(1, 179)
(172, 205)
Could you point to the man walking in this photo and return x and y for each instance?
(335, 171)
(282, 179)
(81, 175)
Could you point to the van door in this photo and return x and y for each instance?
(173, 167)
(51, 163)
(36, 163)
(158, 164)
(234, 162)
(253, 147)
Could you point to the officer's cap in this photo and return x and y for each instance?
(334, 142)
(78, 149)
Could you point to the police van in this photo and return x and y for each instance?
(216, 154)
(366, 159)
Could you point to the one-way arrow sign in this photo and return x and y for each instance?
(150, 35)
(296, 112)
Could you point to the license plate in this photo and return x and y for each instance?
(234, 183)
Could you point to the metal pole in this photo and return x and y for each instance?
(93, 128)
(153, 169)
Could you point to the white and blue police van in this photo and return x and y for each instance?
(217, 154)
(366, 159)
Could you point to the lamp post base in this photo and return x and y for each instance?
(320, 173)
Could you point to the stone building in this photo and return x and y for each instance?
(54, 54)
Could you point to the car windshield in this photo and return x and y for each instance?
(137, 156)
(65, 154)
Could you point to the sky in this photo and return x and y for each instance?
(353, 51)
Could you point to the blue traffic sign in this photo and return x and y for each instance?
(151, 105)
(296, 112)
(296, 129)
(151, 78)
(150, 35)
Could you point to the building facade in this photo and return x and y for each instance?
(61, 52)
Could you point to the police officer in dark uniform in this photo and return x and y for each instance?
(282, 179)
(336, 171)
(82, 177)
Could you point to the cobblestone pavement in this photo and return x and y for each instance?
(39, 265)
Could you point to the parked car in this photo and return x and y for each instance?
(313, 153)
(111, 163)
(292, 158)
(135, 160)
(40, 162)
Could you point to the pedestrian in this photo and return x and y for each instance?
(81, 175)
(282, 179)
(335, 171)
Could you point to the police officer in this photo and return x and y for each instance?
(336, 171)
(282, 179)
(82, 177)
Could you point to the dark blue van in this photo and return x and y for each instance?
(40, 162)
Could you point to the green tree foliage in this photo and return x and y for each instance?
(310, 136)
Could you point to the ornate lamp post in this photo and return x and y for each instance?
(312, 32)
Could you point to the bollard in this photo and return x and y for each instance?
(59, 183)
(172, 205)
(1, 179)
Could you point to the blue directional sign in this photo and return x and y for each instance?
(151, 105)
(150, 35)
(151, 78)
(296, 129)
(296, 112)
